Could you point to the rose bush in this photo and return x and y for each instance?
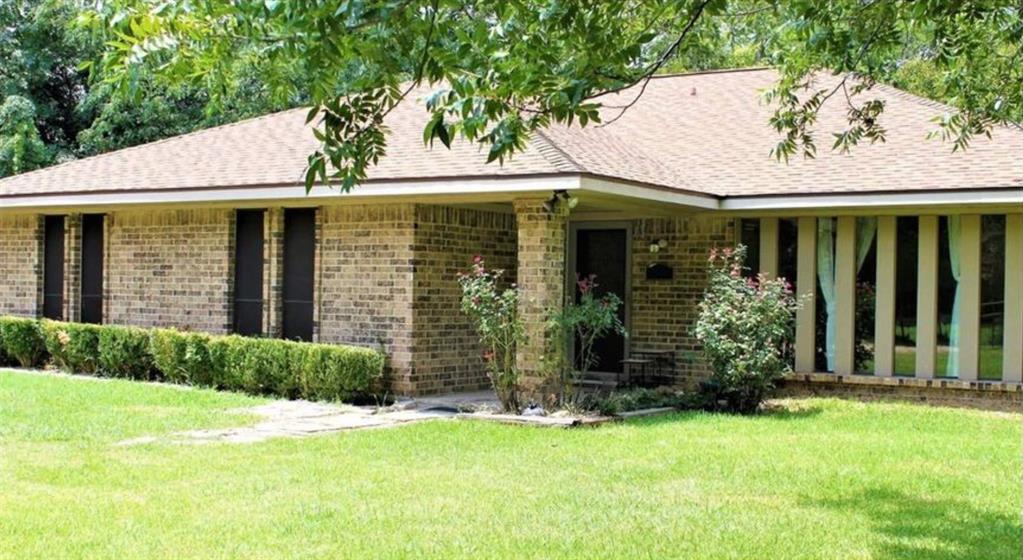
(495, 316)
(743, 326)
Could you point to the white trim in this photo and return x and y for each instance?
(491, 185)
(706, 202)
(871, 200)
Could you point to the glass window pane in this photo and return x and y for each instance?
(905, 294)
(749, 235)
(992, 296)
(866, 281)
(947, 293)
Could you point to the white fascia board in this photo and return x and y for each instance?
(490, 185)
(605, 186)
(874, 200)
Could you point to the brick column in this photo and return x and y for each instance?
(73, 267)
(541, 280)
(273, 272)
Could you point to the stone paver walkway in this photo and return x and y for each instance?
(300, 419)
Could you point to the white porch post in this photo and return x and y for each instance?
(806, 290)
(884, 310)
(969, 292)
(927, 297)
(769, 247)
(1012, 344)
(845, 295)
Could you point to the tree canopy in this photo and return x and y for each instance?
(501, 69)
(43, 84)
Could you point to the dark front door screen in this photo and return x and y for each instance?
(299, 249)
(602, 252)
(248, 273)
(92, 268)
(53, 268)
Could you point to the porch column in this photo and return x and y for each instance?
(541, 279)
(969, 297)
(1012, 344)
(927, 297)
(845, 295)
(273, 271)
(806, 291)
(769, 247)
(884, 314)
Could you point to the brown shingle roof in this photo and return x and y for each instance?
(698, 132)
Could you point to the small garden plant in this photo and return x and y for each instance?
(495, 316)
(744, 325)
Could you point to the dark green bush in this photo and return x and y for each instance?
(72, 347)
(124, 352)
(183, 357)
(23, 340)
(336, 372)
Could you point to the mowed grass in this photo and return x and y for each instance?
(826, 479)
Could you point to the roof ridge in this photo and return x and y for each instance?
(554, 154)
(712, 71)
(136, 147)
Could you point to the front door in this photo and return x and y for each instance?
(603, 252)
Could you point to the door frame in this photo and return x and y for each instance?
(570, 258)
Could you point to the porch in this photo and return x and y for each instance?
(889, 293)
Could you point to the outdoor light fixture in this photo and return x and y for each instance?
(656, 246)
(561, 195)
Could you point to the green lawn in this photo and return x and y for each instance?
(828, 479)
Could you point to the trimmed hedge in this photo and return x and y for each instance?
(260, 366)
(23, 341)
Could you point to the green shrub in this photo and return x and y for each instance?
(336, 372)
(23, 340)
(124, 352)
(73, 347)
(182, 357)
(262, 366)
(744, 325)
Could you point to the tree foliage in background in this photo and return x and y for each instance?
(500, 69)
(21, 149)
(42, 50)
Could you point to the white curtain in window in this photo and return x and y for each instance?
(866, 228)
(952, 368)
(826, 277)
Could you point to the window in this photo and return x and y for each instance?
(992, 296)
(92, 268)
(299, 249)
(53, 268)
(906, 272)
(248, 273)
(749, 235)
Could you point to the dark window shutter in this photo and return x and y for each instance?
(299, 247)
(53, 268)
(92, 268)
(248, 273)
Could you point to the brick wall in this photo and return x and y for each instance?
(992, 395)
(21, 244)
(446, 349)
(170, 268)
(663, 312)
(365, 281)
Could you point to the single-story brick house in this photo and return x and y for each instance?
(913, 254)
